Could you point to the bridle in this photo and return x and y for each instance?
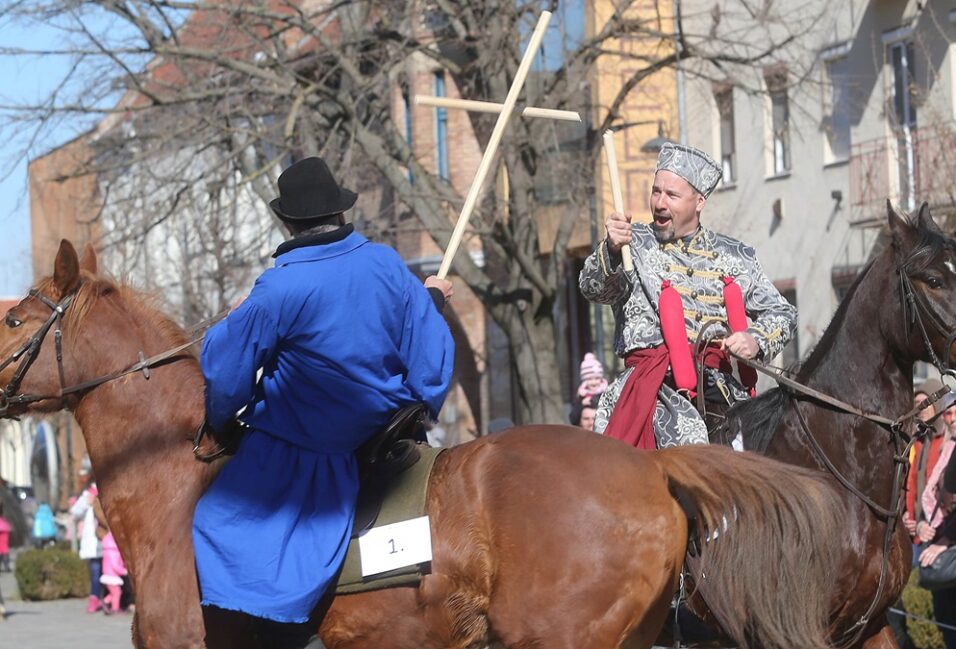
(914, 310)
(27, 353)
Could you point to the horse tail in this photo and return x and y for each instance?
(766, 531)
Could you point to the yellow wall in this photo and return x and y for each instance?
(654, 98)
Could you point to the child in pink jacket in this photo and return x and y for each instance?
(113, 572)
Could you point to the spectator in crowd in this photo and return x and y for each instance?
(114, 570)
(593, 383)
(939, 531)
(583, 414)
(926, 455)
(44, 526)
(91, 531)
(5, 529)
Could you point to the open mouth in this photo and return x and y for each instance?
(662, 220)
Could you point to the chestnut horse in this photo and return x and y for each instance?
(543, 536)
(900, 310)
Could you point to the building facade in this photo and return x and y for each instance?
(814, 145)
(67, 203)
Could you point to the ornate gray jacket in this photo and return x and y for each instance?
(695, 266)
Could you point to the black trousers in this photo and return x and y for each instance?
(281, 635)
(944, 610)
(225, 628)
(897, 623)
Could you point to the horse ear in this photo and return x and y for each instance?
(88, 260)
(66, 269)
(925, 221)
(902, 231)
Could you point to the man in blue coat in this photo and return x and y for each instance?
(343, 335)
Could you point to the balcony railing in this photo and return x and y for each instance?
(911, 166)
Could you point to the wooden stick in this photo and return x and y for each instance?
(486, 159)
(616, 192)
(492, 107)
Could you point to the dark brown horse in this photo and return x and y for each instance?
(866, 358)
(544, 536)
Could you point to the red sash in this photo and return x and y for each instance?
(632, 420)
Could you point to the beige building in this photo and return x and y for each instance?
(863, 112)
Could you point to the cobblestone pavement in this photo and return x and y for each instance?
(60, 624)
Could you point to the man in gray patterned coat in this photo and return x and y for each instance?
(642, 406)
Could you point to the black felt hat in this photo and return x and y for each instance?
(307, 190)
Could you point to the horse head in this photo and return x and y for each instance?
(38, 332)
(925, 259)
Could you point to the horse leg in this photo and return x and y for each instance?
(884, 639)
(440, 614)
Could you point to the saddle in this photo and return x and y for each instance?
(385, 456)
(394, 468)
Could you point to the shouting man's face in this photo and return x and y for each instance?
(675, 206)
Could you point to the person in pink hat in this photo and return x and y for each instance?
(593, 383)
(5, 529)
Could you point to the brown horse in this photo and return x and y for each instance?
(866, 358)
(543, 536)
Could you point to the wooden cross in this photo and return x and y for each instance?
(504, 110)
(616, 196)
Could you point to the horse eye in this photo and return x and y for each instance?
(12, 322)
(934, 282)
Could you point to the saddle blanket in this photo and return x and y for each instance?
(404, 500)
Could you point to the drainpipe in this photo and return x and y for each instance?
(681, 107)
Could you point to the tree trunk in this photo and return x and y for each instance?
(532, 340)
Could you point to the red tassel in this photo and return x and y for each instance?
(671, 310)
(737, 321)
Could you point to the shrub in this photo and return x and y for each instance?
(918, 601)
(51, 574)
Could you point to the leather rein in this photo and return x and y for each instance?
(27, 353)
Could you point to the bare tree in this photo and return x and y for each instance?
(215, 96)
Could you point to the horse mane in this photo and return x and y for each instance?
(93, 288)
(756, 419)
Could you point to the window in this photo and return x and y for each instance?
(901, 57)
(903, 115)
(839, 101)
(441, 129)
(790, 356)
(779, 122)
(728, 153)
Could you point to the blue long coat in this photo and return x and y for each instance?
(345, 335)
